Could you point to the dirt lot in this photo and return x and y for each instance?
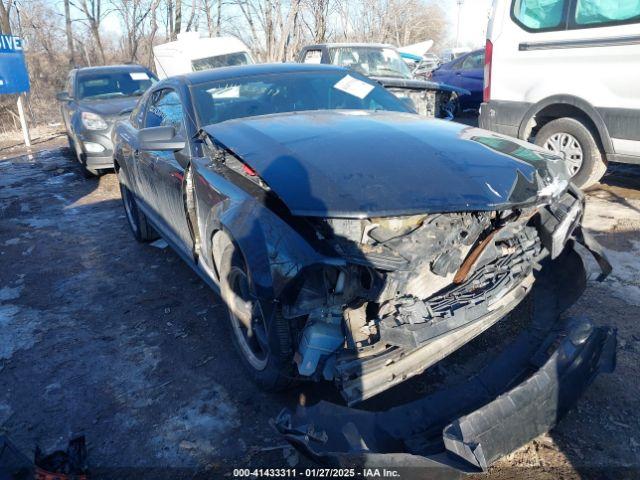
(121, 342)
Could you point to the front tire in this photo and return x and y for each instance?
(90, 172)
(264, 347)
(142, 230)
(572, 140)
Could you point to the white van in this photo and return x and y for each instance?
(191, 53)
(566, 75)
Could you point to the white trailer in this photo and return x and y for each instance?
(191, 52)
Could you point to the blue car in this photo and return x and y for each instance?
(466, 72)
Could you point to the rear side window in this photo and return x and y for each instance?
(540, 14)
(313, 56)
(473, 61)
(607, 12)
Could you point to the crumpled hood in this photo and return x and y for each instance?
(110, 107)
(351, 163)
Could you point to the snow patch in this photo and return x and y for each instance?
(198, 427)
(18, 329)
(10, 293)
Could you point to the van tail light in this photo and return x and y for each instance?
(488, 59)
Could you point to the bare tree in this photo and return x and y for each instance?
(154, 30)
(93, 12)
(133, 15)
(5, 12)
(319, 11)
(272, 25)
(214, 21)
(177, 21)
(69, 32)
(287, 30)
(193, 17)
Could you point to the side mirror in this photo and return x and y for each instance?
(160, 138)
(63, 96)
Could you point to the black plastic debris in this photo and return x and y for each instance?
(63, 465)
(523, 391)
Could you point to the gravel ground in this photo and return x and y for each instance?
(123, 343)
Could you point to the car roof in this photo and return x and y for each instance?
(462, 57)
(222, 73)
(111, 68)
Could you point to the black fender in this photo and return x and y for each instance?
(273, 251)
(588, 109)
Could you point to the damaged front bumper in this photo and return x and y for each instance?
(522, 392)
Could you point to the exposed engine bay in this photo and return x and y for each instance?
(413, 289)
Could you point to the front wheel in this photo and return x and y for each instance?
(264, 347)
(573, 141)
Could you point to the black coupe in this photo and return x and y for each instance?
(357, 242)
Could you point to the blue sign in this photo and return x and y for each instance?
(14, 77)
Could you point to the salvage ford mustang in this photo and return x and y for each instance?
(357, 242)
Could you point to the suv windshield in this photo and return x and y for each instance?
(113, 84)
(371, 61)
(289, 92)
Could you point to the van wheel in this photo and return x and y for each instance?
(264, 347)
(572, 140)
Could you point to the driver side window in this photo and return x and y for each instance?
(165, 109)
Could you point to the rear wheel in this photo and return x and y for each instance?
(140, 227)
(572, 140)
(264, 347)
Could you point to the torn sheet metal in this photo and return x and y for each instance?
(521, 393)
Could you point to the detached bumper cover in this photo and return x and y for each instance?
(522, 392)
(536, 405)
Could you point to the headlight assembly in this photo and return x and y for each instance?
(93, 121)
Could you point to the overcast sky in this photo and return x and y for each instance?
(474, 15)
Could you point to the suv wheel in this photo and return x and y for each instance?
(572, 140)
(86, 171)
